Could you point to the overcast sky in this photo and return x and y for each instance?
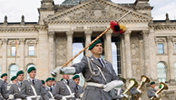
(14, 9)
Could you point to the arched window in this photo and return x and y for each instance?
(13, 70)
(30, 65)
(161, 72)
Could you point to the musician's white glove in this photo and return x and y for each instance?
(112, 84)
(68, 70)
(121, 95)
(72, 95)
(156, 95)
(56, 71)
(124, 95)
(64, 98)
(11, 96)
(28, 98)
(139, 91)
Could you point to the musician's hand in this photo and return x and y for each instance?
(156, 95)
(112, 84)
(124, 95)
(63, 98)
(56, 71)
(28, 98)
(139, 91)
(67, 70)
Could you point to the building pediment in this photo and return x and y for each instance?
(97, 11)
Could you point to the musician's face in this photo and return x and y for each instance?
(76, 80)
(153, 85)
(97, 49)
(65, 77)
(32, 74)
(49, 83)
(20, 77)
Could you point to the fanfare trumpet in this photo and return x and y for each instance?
(144, 80)
(162, 86)
(126, 94)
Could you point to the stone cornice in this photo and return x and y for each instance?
(22, 29)
(55, 18)
(164, 27)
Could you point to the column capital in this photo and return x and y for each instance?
(169, 38)
(128, 32)
(21, 40)
(4, 40)
(145, 32)
(109, 33)
(69, 33)
(51, 33)
(88, 32)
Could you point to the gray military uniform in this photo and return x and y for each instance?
(92, 92)
(3, 90)
(15, 90)
(151, 92)
(26, 89)
(49, 89)
(61, 89)
(79, 90)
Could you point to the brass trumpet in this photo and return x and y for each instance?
(144, 80)
(132, 83)
(163, 86)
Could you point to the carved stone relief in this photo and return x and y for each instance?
(135, 56)
(61, 43)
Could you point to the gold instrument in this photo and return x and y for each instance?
(132, 83)
(144, 80)
(162, 86)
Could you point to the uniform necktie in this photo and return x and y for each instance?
(21, 84)
(67, 82)
(51, 89)
(33, 82)
(100, 62)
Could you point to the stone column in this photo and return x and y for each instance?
(123, 64)
(4, 56)
(108, 47)
(22, 56)
(69, 45)
(88, 34)
(152, 68)
(52, 62)
(171, 71)
(146, 52)
(128, 54)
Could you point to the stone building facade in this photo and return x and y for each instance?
(148, 47)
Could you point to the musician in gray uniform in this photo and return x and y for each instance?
(65, 89)
(48, 88)
(151, 91)
(16, 87)
(99, 74)
(53, 83)
(43, 83)
(79, 89)
(32, 88)
(3, 88)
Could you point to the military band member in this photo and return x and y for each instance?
(3, 88)
(65, 89)
(151, 90)
(16, 87)
(79, 89)
(32, 88)
(49, 88)
(53, 83)
(43, 83)
(99, 74)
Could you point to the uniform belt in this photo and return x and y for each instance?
(35, 96)
(95, 84)
(18, 99)
(69, 96)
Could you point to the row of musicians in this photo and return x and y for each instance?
(35, 89)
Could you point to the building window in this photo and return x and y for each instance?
(31, 50)
(30, 65)
(116, 55)
(77, 47)
(161, 72)
(13, 70)
(13, 48)
(160, 48)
